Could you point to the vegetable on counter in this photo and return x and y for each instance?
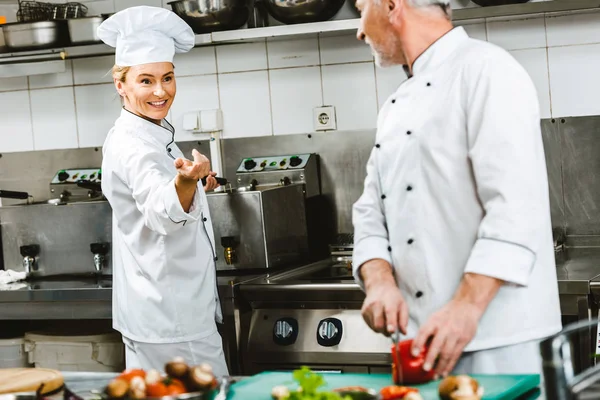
(309, 383)
(179, 378)
(460, 387)
(400, 393)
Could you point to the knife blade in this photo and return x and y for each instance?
(398, 379)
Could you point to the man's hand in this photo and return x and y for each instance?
(193, 170)
(452, 327)
(211, 182)
(384, 308)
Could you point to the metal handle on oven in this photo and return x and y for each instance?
(560, 380)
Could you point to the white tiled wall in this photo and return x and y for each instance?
(271, 87)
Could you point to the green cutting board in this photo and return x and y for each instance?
(496, 387)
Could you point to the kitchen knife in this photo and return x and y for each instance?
(398, 380)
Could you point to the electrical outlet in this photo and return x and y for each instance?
(324, 118)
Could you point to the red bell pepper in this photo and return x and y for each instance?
(412, 367)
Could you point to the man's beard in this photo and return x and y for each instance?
(382, 59)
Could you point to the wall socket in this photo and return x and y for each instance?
(324, 118)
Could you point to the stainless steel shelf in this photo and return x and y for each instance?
(284, 32)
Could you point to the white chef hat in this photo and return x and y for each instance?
(143, 35)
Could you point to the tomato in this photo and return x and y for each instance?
(412, 367)
(395, 392)
(165, 387)
(129, 374)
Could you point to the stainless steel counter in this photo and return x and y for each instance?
(81, 298)
(578, 271)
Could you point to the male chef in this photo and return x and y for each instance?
(453, 241)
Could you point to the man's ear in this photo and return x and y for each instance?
(395, 9)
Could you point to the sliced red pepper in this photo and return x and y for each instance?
(395, 392)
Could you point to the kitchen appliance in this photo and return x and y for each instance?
(69, 234)
(311, 316)
(263, 223)
(261, 226)
(205, 16)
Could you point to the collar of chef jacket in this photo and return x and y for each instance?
(163, 134)
(436, 54)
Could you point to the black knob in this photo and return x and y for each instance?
(282, 163)
(63, 176)
(249, 164)
(329, 332)
(228, 241)
(30, 250)
(295, 161)
(100, 175)
(285, 331)
(99, 248)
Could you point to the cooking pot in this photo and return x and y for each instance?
(303, 11)
(206, 16)
(83, 30)
(488, 3)
(34, 35)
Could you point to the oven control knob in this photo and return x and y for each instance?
(329, 332)
(249, 164)
(63, 176)
(295, 161)
(285, 331)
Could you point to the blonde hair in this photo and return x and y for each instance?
(120, 73)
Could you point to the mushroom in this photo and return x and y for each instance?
(413, 396)
(280, 392)
(137, 388)
(117, 388)
(199, 378)
(153, 376)
(460, 387)
(177, 368)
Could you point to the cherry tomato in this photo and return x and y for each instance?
(165, 387)
(395, 392)
(412, 367)
(129, 374)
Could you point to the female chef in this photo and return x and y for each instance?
(165, 300)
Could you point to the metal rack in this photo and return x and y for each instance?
(32, 11)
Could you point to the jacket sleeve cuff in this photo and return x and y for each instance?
(174, 209)
(498, 259)
(369, 248)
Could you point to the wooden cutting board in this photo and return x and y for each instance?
(14, 380)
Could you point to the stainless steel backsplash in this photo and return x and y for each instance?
(572, 147)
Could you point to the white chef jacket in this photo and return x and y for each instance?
(164, 285)
(456, 183)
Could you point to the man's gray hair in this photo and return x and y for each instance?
(443, 4)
